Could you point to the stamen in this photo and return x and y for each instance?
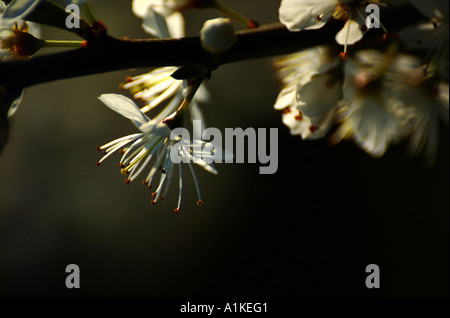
(197, 187)
(180, 184)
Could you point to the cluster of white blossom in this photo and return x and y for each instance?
(377, 98)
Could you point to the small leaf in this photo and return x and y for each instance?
(189, 71)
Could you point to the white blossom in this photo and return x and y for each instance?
(299, 15)
(312, 88)
(152, 144)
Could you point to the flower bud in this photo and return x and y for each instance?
(217, 35)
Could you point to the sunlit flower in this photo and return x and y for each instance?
(432, 36)
(16, 12)
(312, 87)
(421, 101)
(369, 112)
(153, 144)
(158, 87)
(313, 14)
(19, 40)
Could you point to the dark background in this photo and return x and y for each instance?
(308, 230)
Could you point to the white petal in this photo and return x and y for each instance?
(17, 10)
(318, 97)
(373, 127)
(155, 24)
(125, 107)
(203, 95)
(301, 14)
(285, 98)
(350, 33)
(15, 105)
(140, 7)
(175, 24)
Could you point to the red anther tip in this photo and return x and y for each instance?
(385, 36)
(299, 117)
(313, 128)
(84, 44)
(129, 79)
(153, 202)
(199, 202)
(121, 151)
(176, 211)
(98, 149)
(98, 164)
(344, 56)
(127, 181)
(251, 24)
(121, 165)
(154, 194)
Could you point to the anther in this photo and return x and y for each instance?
(251, 24)
(127, 181)
(313, 128)
(98, 164)
(176, 211)
(299, 117)
(84, 44)
(199, 202)
(286, 111)
(153, 202)
(154, 194)
(98, 149)
(385, 36)
(343, 56)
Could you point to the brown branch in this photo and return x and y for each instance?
(105, 53)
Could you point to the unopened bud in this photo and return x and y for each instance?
(217, 35)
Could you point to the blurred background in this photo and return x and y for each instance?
(308, 230)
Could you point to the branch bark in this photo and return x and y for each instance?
(106, 53)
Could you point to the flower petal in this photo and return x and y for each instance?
(301, 14)
(125, 107)
(17, 10)
(349, 34)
